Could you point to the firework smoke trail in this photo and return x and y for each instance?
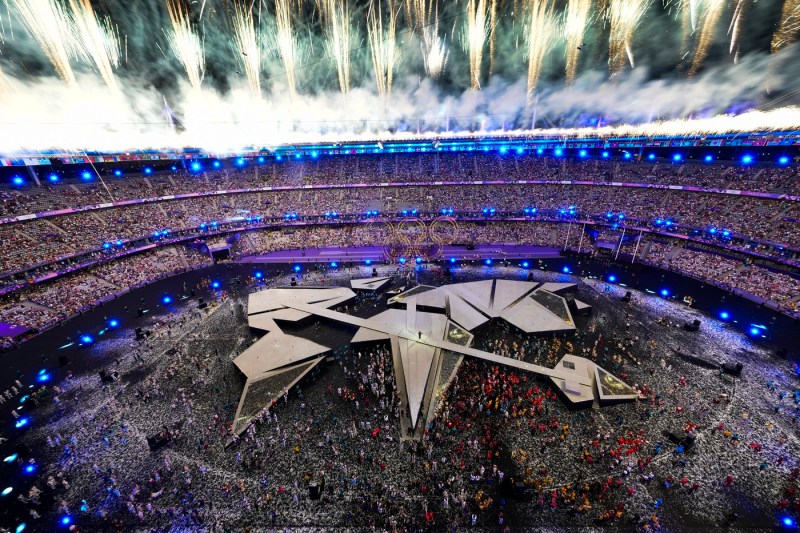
(185, 43)
(51, 26)
(100, 41)
(789, 26)
(337, 16)
(575, 20)
(624, 16)
(734, 30)
(541, 37)
(287, 46)
(711, 18)
(475, 39)
(382, 44)
(247, 39)
(423, 17)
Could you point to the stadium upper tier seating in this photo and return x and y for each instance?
(759, 229)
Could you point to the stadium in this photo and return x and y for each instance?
(399, 265)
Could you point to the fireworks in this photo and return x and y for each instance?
(711, 17)
(99, 40)
(541, 37)
(475, 38)
(735, 29)
(337, 16)
(51, 26)
(382, 44)
(247, 39)
(286, 42)
(789, 26)
(575, 21)
(423, 15)
(624, 16)
(185, 43)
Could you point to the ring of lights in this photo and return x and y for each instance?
(414, 238)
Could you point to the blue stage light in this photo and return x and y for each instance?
(627, 155)
(21, 528)
(113, 323)
(565, 270)
(612, 278)
(605, 154)
(174, 168)
(86, 175)
(503, 149)
(118, 173)
(196, 166)
(29, 468)
(558, 152)
(22, 422)
(7, 491)
(43, 378)
(677, 157)
(724, 315)
(708, 158)
(402, 260)
(278, 157)
(216, 285)
(418, 260)
(783, 160)
(53, 178)
(747, 159)
(726, 233)
(66, 520)
(296, 268)
(520, 151)
(11, 458)
(754, 332)
(488, 262)
(17, 180)
(334, 264)
(787, 521)
(106, 245)
(452, 260)
(261, 159)
(87, 339)
(651, 156)
(712, 230)
(583, 153)
(240, 162)
(166, 299)
(539, 151)
(216, 164)
(119, 243)
(148, 170)
(664, 293)
(368, 262)
(258, 274)
(526, 264)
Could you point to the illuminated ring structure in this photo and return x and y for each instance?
(414, 238)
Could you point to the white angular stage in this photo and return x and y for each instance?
(428, 339)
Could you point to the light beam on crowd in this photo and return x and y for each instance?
(186, 44)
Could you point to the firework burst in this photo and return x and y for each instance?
(99, 40)
(286, 42)
(247, 40)
(541, 37)
(50, 24)
(185, 43)
(789, 27)
(624, 17)
(383, 46)
(336, 14)
(575, 20)
(475, 38)
(710, 19)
